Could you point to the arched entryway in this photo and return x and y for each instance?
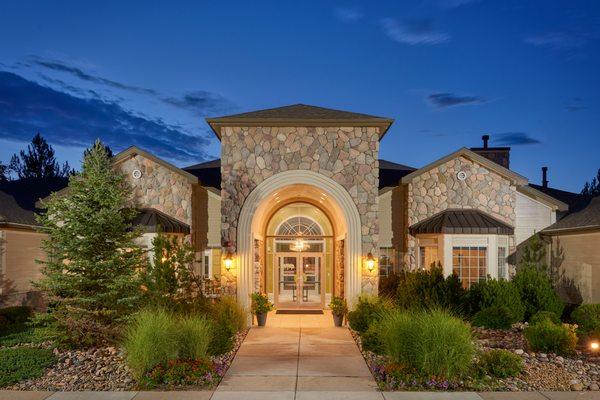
(300, 187)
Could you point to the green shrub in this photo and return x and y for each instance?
(194, 335)
(587, 317)
(16, 315)
(536, 292)
(338, 306)
(493, 318)
(430, 289)
(22, 363)
(150, 340)
(432, 342)
(367, 310)
(500, 363)
(228, 318)
(371, 338)
(544, 315)
(549, 337)
(388, 285)
(496, 293)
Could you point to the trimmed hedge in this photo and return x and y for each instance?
(493, 318)
(549, 337)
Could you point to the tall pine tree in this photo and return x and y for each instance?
(592, 188)
(91, 272)
(3, 172)
(38, 161)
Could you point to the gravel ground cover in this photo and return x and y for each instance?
(102, 369)
(541, 372)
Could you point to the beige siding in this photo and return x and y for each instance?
(385, 219)
(578, 257)
(531, 217)
(214, 220)
(22, 248)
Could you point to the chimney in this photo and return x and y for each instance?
(485, 138)
(499, 155)
(545, 177)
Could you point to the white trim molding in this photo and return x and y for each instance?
(341, 200)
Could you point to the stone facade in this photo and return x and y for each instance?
(440, 189)
(348, 155)
(159, 188)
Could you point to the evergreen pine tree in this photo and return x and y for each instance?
(3, 172)
(534, 253)
(91, 272)
(38, 162)
(592, 188)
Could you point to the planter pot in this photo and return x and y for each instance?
(261, 319)
(338, 319)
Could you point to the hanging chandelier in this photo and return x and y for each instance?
(299, 245)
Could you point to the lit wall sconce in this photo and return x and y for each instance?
(228, 260)
(370, 262)
(594, 345)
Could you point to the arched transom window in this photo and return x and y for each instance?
(299, 226)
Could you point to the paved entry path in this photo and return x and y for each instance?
(298, 357)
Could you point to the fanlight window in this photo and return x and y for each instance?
(299, 226)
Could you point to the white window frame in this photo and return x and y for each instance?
(389, 253)
(207, 254)
(489, 241)
(502, 243)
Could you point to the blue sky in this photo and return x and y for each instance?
(148, 73)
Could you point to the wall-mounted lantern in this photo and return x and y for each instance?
(370, 262)
(228, 260)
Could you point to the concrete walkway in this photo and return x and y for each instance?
(297, 357)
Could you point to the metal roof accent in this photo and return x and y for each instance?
(462, 221)
(149, 219)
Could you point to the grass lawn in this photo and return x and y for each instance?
(23, 363)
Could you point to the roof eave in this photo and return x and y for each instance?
(558, 231)
(543, 197)
(133, 151)
(382, 123)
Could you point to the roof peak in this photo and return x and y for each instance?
(299, 115)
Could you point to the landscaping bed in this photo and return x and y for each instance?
(104, 369)
(541, 371)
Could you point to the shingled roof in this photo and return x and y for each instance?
(587, 218)
(462, 221)
(299, 115)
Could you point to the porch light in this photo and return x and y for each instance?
(370, 261)
(594, 345)
(228, 260)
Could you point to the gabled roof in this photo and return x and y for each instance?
(299, 115)
(464, 152)
(462, 221)
(390, 173)
(18, 198)
(587, 218)
(208, 173)
(133, 151)
(569, 198)
(536, 194)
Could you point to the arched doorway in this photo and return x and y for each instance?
(298, 186)
(299, 257)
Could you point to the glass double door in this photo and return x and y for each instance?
(299, 280)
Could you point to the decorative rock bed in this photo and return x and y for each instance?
(542, 372)
(103, 369)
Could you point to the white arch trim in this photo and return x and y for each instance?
(336, 192)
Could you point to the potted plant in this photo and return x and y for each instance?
(260, 307)
(339, 308)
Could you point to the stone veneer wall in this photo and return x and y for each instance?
(159, 188)
(439, 189)
(348, 155)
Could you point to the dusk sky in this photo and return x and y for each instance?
(148, 73)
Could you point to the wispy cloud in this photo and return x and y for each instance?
(560, 41)
(199, 102)
(575, 105)
(415, 32)
(69, 120)
(442, 100)
(348, 14)
(514, 139)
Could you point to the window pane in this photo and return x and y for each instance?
(470, 264)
